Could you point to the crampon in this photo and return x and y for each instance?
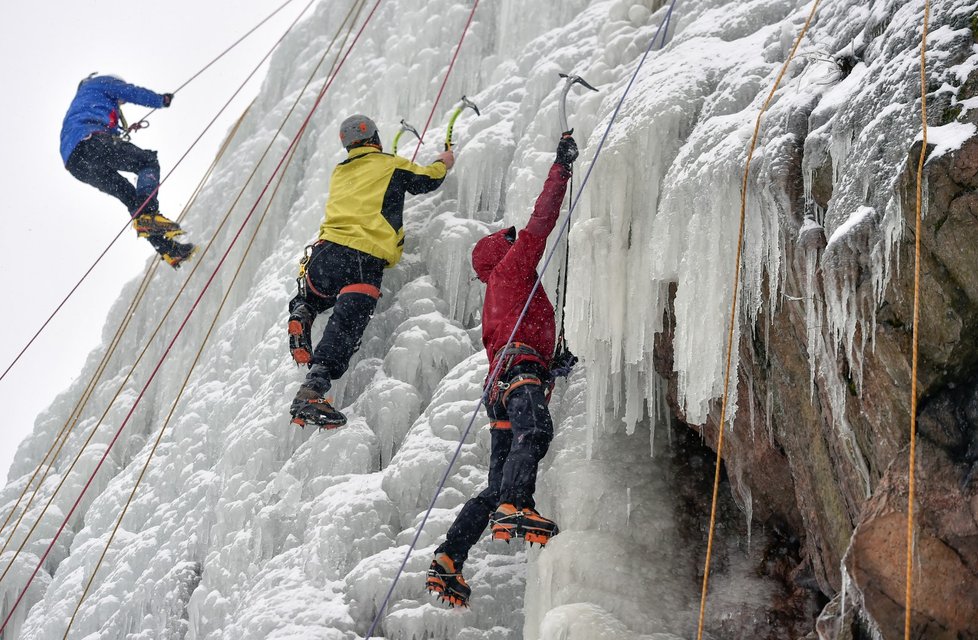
(446, 582)
(508, 522)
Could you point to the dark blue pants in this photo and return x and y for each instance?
(513, 460)
(332, 275)
(99, 159)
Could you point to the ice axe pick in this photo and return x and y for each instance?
(408, 128)
(466, 103)
(569, 81)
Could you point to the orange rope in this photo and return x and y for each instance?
(916, 323)
(733, 318)
(358, 5)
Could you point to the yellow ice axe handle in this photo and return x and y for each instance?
(451, 126)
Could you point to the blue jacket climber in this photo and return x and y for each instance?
(95, 152)
(95, 109)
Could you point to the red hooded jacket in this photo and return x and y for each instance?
(509, 271)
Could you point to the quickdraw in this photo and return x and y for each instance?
(303, 264)
(129, 129)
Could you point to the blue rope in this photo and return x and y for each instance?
(663, 29)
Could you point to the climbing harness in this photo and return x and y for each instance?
(405, 127)
(464, 104)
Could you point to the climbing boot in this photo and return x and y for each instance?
(309, 407)
(155, 224)
(508, 522)
(172, 252)
(445, 580)
(300, 335)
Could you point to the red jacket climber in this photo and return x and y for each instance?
(521, 426)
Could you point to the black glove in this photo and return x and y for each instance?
(563, 363)
(167, 99)
(566, 149)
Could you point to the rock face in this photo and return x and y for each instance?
(840, 482)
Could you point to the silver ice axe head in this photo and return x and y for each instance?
(465, 103)
(405, 127)
(471, 105)
(569, 81)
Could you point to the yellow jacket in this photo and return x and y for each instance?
(366, 200)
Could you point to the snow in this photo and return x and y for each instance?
(247, 528)
(947, 138)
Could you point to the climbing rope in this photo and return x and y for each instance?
(69, 425)
(186, 318)
(444, 81)
(562, 277)
(733, 316)
(197, 264)
(98, 259)
(142, 123)
(911, 487)
(349, 20)
(519, 321)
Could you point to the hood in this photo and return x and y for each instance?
(488, 252)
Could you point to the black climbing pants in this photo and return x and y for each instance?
(99, 159)
(516, 451)
(348, 281)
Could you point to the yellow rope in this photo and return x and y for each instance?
(733, 318)
(64, 433)
(358, 5)
(916, 322)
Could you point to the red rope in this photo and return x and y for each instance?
(441, 90)
(186, 319)
(153, 194)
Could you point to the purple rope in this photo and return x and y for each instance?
(536, 285)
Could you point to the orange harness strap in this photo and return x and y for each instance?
(502, 425)
(519, 381)
(365, 289)
(313, 288)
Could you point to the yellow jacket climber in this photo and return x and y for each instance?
(366, 200)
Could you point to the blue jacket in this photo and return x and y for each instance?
(95, 108)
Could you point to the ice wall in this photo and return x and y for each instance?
(247, 528)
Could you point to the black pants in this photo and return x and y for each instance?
(513, 460)
(99, 159)
(332, 275)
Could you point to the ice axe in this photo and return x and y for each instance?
(570, 80)
(466, 103)
(405, 127)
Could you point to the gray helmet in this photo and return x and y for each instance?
(355, 129)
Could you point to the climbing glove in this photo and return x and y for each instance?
(566, 150)
(563, 363)
(167, 99)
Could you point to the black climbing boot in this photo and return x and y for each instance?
(309, 407)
